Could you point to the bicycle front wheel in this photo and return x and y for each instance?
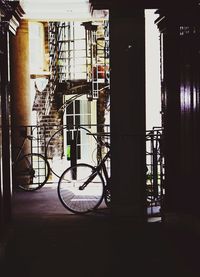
(74, 198)
(31, 172)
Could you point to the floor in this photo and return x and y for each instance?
(48, 241)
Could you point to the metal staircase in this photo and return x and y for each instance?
(67, 56)
(97, 55)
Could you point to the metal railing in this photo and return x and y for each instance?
(62, 145)
(65, 145)
(155, 174)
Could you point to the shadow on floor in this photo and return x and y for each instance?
(48, 241)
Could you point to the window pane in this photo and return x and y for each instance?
(77, 107)
(77, 137)
(78, 152)
(70, 121)
(70, 109)
(77, 120)
(69, 137)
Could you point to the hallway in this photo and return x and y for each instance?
(47, 241)
(42, 238)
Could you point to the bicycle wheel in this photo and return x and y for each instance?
(83, 139)
(78, 200)
(31, 172)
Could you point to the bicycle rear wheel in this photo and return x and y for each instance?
(82, 137)
(31, 172)
(72, 197)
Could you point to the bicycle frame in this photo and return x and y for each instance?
(98, 168)
(20, 150)
(19, 153)
(102, 165)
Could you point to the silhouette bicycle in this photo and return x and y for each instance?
(31, 170)
(83, 187)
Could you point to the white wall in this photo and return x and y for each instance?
(153, 91)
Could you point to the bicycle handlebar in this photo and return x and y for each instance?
(99, 140)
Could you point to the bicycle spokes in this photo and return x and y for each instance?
(83, 193)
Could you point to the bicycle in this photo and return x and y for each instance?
(65, 135)
(30, 171)
(83, 187)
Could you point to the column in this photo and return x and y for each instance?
(181, 119)
(20, 83)
(6, 188)
(20, 76)
(10, 14)
(127, 59)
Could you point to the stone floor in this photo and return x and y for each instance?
(47, 240)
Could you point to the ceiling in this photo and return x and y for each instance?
(56, 10)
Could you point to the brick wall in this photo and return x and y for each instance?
(49, 121)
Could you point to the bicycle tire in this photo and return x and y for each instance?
(31, 172)
(76, 200)
(59, 133)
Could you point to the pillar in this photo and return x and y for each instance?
(181, 111)
(20, 81)
(20, 76)
(6, 188)
(9, 15)
(127, 60)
